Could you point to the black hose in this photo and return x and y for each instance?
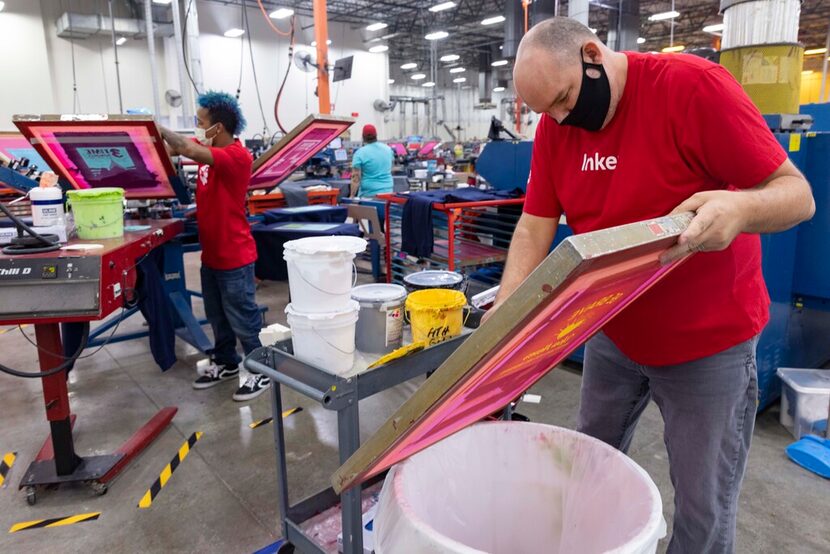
(68, 362)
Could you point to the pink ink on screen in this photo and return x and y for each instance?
(579, 311)
(123, 154)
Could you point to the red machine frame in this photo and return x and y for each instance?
(57, 461)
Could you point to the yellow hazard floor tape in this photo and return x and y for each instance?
(268, 420)
(151, 494)
(55, 522)
(6, 465)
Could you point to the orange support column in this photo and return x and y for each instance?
(321, 34)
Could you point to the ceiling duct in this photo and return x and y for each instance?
(80, 26)
(485, 78)
(513, 27)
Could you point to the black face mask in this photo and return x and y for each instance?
(594, 99)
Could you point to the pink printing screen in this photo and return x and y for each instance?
(577, 313)
(112, 155)
(299, 150)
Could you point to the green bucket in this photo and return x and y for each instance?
(99, 213)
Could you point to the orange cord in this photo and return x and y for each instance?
(284, 34)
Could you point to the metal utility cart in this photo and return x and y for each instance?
(343, 395)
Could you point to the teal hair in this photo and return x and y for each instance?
(223, 108)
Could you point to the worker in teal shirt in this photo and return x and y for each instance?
(371, 166)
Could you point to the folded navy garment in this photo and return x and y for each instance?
(416, 227)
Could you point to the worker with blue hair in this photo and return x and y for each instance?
(228, 249)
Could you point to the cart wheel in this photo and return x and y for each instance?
(99, 488)
(31, 496)
(286, 548)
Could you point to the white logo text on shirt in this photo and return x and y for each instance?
(598, 163)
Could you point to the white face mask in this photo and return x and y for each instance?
(201, 135)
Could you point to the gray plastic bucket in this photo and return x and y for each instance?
(380, 322)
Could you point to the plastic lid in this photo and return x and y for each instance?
(102, 193)
(806, 380)
(378, 292)
(434, 278)
(354, 307)
(329, 244)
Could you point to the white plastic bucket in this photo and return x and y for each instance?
(320, 272)
(324, 340)
(47, 206)
(506, 487)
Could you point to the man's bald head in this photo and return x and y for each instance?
(548, 70)
(556, 36)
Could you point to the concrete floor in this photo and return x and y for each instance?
(223, 496)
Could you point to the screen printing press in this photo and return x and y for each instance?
(71, 285)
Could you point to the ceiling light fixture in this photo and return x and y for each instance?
(492, 20)
(815, 51)
(409, 65)
(641, 40)
(450, 58)
(499, 63)
(663, 16)
(281, 13)
(418, 76)
(376, 39)
(716, 28)
(442, 6)
(378, 48)
(437, 35)
(428, 84)
(390, 35)
(457, 70)
(234, 33)
(498, 89)
(460, 80)
(391, 81)
(377, 26)
(120, 42)
(807, 72)
(165, 2)
(675, 48)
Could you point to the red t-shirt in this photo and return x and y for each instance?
(683, 125)
(221, 190)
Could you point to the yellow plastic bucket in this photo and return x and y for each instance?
(435, 314)
(99, 213)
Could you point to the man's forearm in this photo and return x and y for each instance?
(777, 205)
(355, 183)
(526, 253)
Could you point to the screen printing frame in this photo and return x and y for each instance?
(580, 286)
(264, 174)
(35, 128)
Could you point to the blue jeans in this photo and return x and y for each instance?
(708, 406)
(231, 309)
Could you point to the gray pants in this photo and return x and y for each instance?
(708, 407)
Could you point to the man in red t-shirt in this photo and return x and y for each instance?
(228, 249)
(626, 137)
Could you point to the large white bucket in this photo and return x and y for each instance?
(324, 340)
(320, 272)
(507, 487)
